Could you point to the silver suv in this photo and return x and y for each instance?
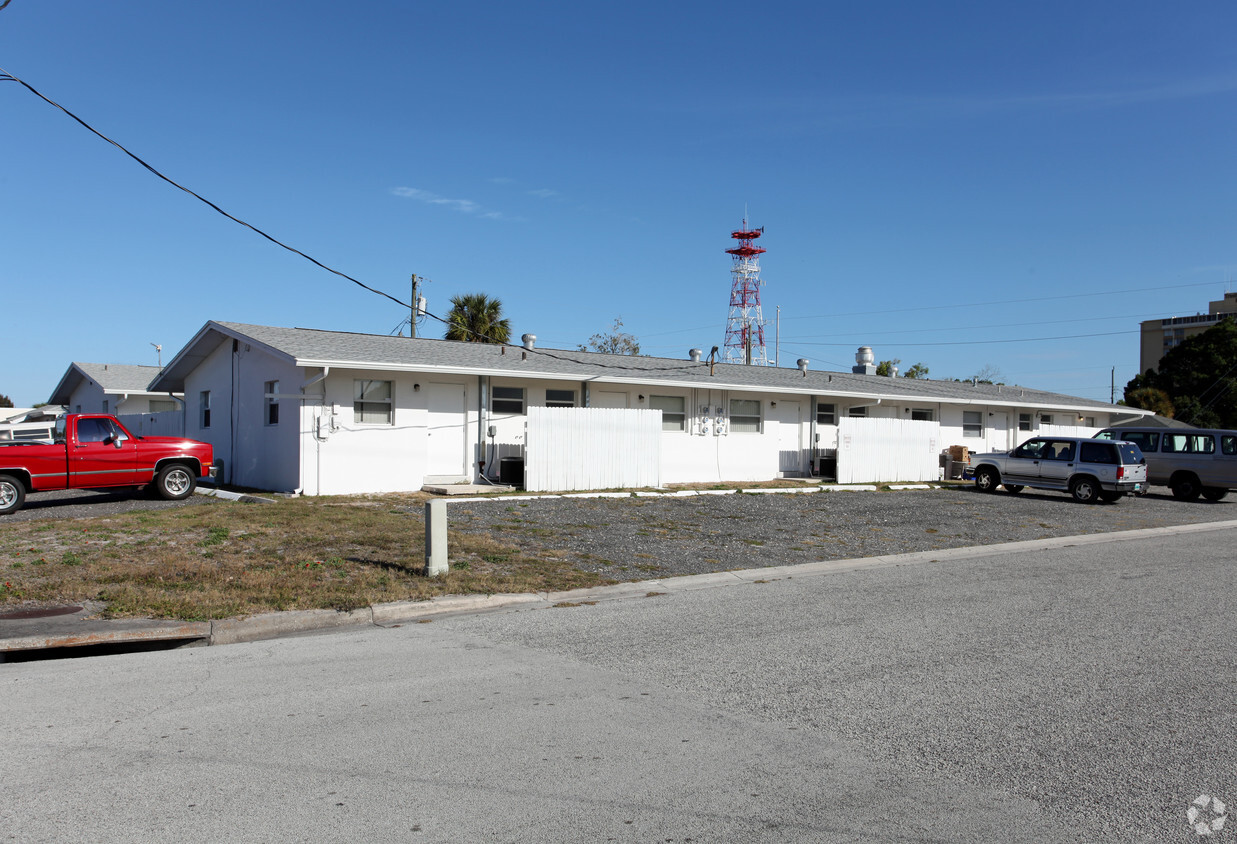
(1089, 469)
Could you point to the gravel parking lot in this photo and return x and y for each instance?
(84, 504)
(629, 538)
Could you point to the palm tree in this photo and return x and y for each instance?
(476, 318)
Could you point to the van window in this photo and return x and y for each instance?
(1189, 443)
(1228, 444)
(1145, 440)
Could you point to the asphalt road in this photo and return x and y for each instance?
(1076, 695)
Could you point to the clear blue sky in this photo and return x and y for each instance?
(928, 175)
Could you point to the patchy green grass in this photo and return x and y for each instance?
(222, 559)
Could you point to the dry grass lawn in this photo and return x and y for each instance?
(222, 559)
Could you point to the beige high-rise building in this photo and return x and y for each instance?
(1160, 335)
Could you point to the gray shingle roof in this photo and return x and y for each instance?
(312, 347)
(114, 378)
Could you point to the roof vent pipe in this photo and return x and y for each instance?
(695, 354)
(864, 361)
(529, 340)
(802, 363)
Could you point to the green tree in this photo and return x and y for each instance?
(918, 371)
(476, 318)
(1199, 376)
(5, 401)
(885, 367)
(1150, 398)
(616, 342)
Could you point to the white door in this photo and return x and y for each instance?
(790, 453)
(447, 431)
(601, 398)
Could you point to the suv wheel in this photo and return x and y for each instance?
(1085, 490)
(1186, 488)
(987, 480)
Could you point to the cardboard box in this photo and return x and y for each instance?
(960, 453)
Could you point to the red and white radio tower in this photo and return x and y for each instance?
(745, 329)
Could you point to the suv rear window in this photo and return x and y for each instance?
(1130, 453)
(1098, 453)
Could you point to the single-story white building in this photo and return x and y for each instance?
(328, 412)
(116, 388)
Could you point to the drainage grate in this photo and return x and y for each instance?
(46, 612)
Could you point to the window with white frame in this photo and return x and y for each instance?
(507, 400)
(972, 423)
(1045, 419)
(1026, 422)
(922, 414)
(162, 405)
(371, 402)
(826, 414)
(560, 398)
(1088, 421)
(857, 412)
(673, 411)
(745, 416)
(271, 402)
(204, 409)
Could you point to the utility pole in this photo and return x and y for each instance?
(1112, 390)
(777, 338)
(412, 320)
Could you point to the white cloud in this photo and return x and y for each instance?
(464, 206)
(543, 193)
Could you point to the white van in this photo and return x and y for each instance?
(1190, 461)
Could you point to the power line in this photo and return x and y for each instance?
(5, 76)
(989, 342)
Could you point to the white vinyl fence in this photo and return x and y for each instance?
(575, 448)
(168, 423)
(887, 450)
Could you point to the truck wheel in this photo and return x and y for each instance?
(987, 480)
(12, 494)
(1214, 493)
(175, 482)
(1084, 490)
(1186, 487)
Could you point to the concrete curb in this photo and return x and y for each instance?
(228, 495)
(132, 630)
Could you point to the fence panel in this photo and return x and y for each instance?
(887, 450)
(578, 448)
(167, 423)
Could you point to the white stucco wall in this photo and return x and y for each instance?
(341, 454)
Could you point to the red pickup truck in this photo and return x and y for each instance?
(91, 451)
